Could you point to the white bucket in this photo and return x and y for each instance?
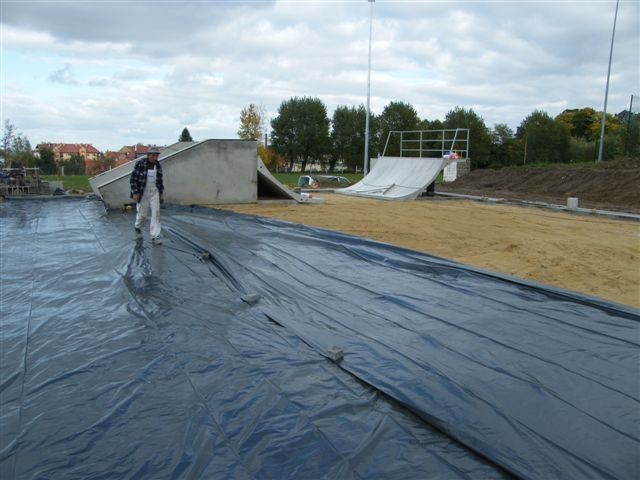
(572, 203)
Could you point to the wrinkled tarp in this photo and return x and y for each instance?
(119, 359)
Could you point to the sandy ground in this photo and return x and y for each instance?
(593, 255)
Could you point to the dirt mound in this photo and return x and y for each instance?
(610, 185)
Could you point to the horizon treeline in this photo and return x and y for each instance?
(302, 132)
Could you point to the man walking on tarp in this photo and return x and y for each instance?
(146, 191)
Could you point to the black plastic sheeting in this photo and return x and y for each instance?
(207, 357)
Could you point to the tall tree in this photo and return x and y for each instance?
(251, 123)
(612, 126)
(397, 116)
(347, 136)
(301, 130)
(479, 136)
(21, 151)
(75, 165)
(108, 160)
(580, 122)
(502, 145)
(45, 161)
(185, 136)
(631, 133)
(546, 140)
(8, 137)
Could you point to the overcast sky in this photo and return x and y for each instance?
(113, 73)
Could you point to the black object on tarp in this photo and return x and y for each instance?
(211, 357)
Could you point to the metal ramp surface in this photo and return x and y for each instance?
(397, 178)
(420, 156)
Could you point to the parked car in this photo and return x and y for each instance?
(333, 180)
(315, 181)
(307, 181)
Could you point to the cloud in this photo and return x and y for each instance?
(143, 71)
(64, 76)
(134, 22)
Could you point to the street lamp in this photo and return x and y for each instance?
(366, 126)
(606, 92)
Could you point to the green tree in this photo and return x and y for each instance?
(612, 126)
(580, 122)
(503, 151)
(75, 165)
(631, 133)
(397, 116)
(109, 161)
(613, 145)
(479, 148)
(46, 162)
(21, 151)
(185, 136)
(347, 136)
(251, 123)
(16, 148)
(300, 132)
(8, 137)
(545, 140)
(581, 150)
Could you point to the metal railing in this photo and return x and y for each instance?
(429, 143)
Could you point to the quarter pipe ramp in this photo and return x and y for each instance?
(206, 173)
(397, 178)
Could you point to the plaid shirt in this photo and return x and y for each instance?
(139, 177)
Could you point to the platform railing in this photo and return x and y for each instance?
(428, 143)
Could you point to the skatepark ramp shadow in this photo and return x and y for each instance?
(410, 163)
(206, 173)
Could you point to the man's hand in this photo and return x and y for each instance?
(136, 198)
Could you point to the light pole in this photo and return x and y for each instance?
(366, 122)
(606, 92)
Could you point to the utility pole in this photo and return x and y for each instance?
(606, 92)
(366, 126)
(626, 141)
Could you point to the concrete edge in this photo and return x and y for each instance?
(550, 206)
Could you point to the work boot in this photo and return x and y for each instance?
(156, 241)
(138, 233)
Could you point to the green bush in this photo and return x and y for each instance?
(613, 147)
(581, 150)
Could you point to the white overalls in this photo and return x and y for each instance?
(150, 200)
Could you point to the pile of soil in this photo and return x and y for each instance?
(612, 185)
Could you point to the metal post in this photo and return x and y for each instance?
(606, 92)
(626, 142)
(468, 144)
(366, 127)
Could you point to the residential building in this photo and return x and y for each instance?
(131, 152)
(62, 152)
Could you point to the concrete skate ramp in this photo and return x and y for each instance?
(102, 180)
(205, 173)
(269, 188)
(397, 178)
